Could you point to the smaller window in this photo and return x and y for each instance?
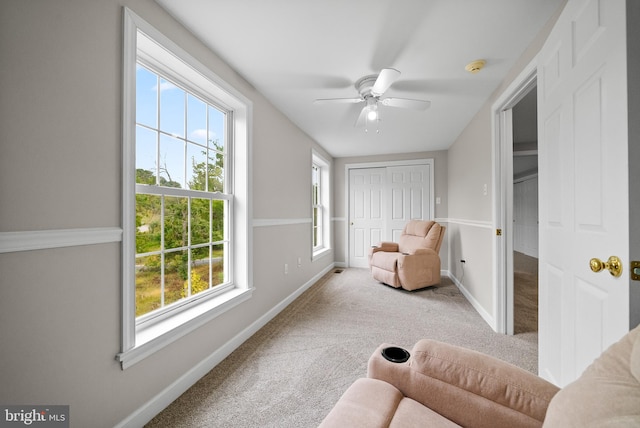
(320, 197)
(316, 192)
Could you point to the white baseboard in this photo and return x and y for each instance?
(489, 319)
(154, 406)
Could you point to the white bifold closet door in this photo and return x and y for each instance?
(381, 201)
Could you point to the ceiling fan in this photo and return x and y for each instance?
(371, 89)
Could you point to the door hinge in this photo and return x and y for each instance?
(498, 232)
(635, 270)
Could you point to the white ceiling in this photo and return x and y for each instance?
(296, 51)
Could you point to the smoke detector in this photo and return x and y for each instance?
(475, 66)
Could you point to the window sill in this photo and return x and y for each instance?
(150, 339)
(320, 253)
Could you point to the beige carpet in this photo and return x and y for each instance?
(292, 372)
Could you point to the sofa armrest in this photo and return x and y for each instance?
(467, 387)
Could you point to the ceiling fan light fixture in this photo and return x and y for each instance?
(475, 66)
(372, 108)
(372, 89)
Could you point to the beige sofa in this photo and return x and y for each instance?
(413, 262)
(441, 385)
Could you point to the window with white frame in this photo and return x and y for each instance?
(182, 194)
(318, 211)
(320, 197)
(186, 256)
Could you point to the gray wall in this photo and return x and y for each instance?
(60, 168)
(470, 209)
(471, 231)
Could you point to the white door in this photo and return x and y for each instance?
(582, 110)
(366, 212)
(409, 196)
(382, 200)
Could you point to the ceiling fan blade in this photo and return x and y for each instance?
(338, 101)
(385, 79)
(406, 103)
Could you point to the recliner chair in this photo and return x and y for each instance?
(413, 262)
(442, 385)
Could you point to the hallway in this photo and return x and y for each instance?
(525, 288)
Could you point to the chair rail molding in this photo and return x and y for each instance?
(466, 222)
(11, 242)
(268, 222)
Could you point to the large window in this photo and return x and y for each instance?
(186, 235)
(182, 194)
(321, 226)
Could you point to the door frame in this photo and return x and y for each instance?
(502, 136)
(381, 164)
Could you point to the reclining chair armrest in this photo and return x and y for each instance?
(425, 252)
(467, 387)
(419, 269)
(391, 247)
(421, 256)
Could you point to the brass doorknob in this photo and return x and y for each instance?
(613, 265)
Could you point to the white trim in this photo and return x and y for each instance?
(11, 242)
(268, 222)
(502, 158)
(163, 333)
(474, 223)
(321, 253)
(489, 319)
(381, 164)
(148, 189)
(128, 303)
(325, 229)
(154, 406)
